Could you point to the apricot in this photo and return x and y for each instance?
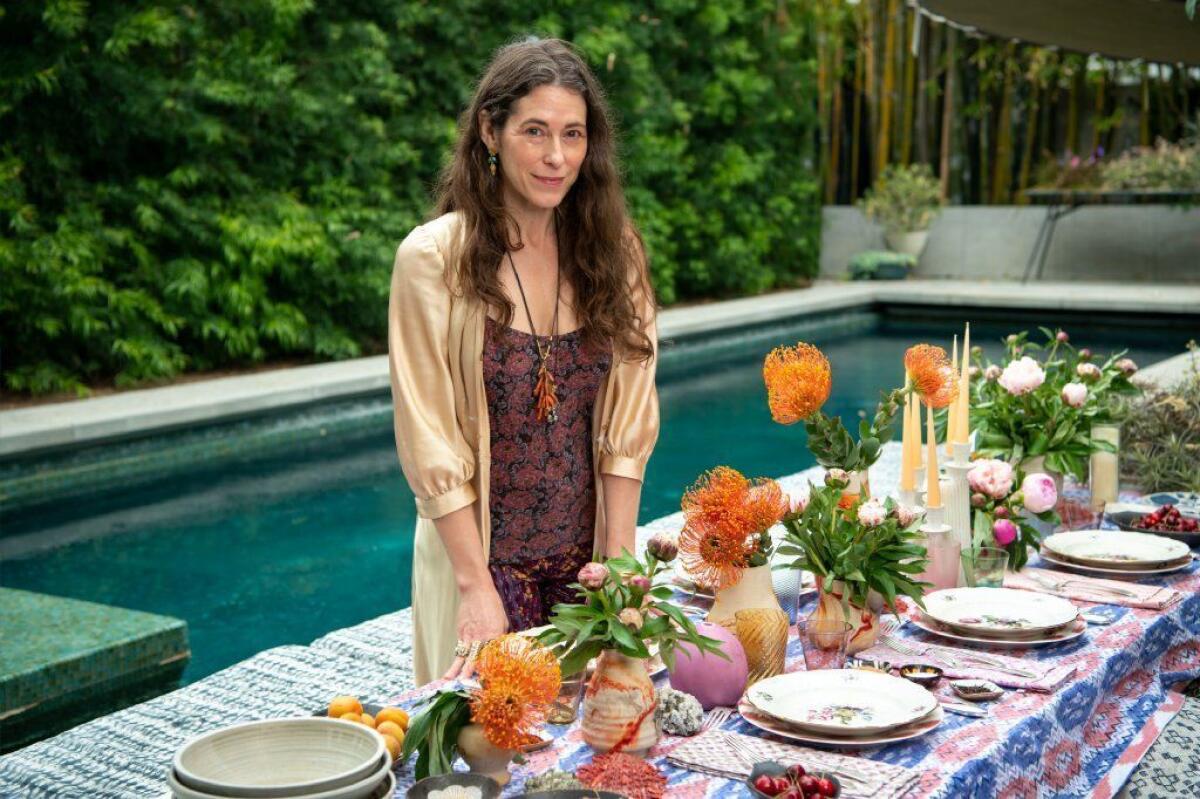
(390, 728)
(341, 705)
(393, 714)
(357, 719)
(368, 719)
(393, 745)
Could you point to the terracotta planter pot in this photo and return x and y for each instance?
(482, 755)
(911, 243)
(750, 609)
(618, 706)
(864, 621)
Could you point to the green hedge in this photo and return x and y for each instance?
(187, 186)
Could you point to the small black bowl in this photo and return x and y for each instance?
(467, 779)
(1125, 519)
(775, 769)
(923, 674)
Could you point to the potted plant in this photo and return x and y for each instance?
(621, 615)
(904, 200)
(1001, 504)
(519, 678)
(869, 547)
(881, 265)
(1037, 410)
(726, 545)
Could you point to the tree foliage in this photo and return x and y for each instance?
(188, 186)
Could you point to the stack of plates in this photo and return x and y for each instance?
(1000, 617)
(1112, 553)
(301, 758)
(841, 708)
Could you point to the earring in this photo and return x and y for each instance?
(492, 159)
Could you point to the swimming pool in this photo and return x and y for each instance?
(262, 551)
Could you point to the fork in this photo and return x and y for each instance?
(716, 717)
(951, 658)
(1058, 585)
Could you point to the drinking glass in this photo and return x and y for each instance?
(984, 567)
(566, 707)
(943, 550)
(824, 643)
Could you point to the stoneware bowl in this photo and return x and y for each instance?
(921, 673)
(463, 779)
(281, 758)
(370, 787)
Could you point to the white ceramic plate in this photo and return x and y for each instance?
(764, 722)
(993, 611)
(1114, 549)
(841, 701)
(1131, 574)
(1047, 638)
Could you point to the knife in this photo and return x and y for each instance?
(974, 711)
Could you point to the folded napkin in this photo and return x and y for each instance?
(710, 752)
(974, 665)
(1093, 589)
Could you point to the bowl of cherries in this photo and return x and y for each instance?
(1166, 520)
(771, 779)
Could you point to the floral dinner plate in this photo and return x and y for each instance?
(841, 701)
(992, 611)
(1115, 549)
(766, 723)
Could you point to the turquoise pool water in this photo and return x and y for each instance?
(262, 552)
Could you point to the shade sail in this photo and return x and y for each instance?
(1155, 30)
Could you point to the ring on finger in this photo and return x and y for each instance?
(461, 649)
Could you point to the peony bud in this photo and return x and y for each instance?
(978, 500)
(976, 351)
(837, 478)
(1013, 338)
(1127, 366)
(1085, 354)
(973, 371)
(992, 373)
(663, 547)
(1088, 371)
(593, 576)
(1004, 531)
(1001, 511)
(872, 513)
(906, 515)
(1039, 492)
(1074, 394)
(639, 582)
(631, 617)
(796, 507)
(1062, 337)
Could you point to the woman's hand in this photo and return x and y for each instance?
(481, 618)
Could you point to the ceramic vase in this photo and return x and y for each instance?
(910, 243)
(482, 755)
(618, 706)
(750, 609)
(864, 621)
(1105, 467)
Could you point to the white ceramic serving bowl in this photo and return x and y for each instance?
(381, 783)
(281, 758)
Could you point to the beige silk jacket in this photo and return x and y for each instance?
(435, 344)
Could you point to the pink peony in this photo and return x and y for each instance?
(978, 500)
(906, 514)
(973, 372)
(1062, 337)
(1040, 493)
(1004, 531)
(1088, 371)
(872, 513)
(593, 575)
(1127, 366)
(796, 507)
(1022, 376)
(640, 583)
(992, 373)
(1001, 512)
(991, 477)
(1075, 394)
(837, 478)
(1085, 354)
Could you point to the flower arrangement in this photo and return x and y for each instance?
(623, 610)
(727, 522)
(872, 546)
(1045, 405)
(519, 678)
(999, 504)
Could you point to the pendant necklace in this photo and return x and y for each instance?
(545, 390)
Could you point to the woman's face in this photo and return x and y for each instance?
(541, 147)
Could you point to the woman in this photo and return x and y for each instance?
(522, 347)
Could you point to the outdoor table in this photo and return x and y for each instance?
(1061, 202)
(1083, 739)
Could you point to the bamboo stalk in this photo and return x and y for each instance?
(1002, 175)
(835, 144)
(1073, 99)
(872, 92)
(1031, 131)
(948, 111)
(922, 131)
(822, 100)
(883, 146)
(856, 122)
(1144, 115)
(909, 98)
(1098, 110)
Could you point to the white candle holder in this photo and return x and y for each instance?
(908, 497)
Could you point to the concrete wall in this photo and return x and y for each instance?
(1115, 243)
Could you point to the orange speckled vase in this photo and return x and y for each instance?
(618, 706)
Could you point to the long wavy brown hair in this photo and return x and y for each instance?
(599, 248)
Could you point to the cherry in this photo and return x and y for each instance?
(796, 772)
(826, 787)
(792, 793)
(809, 784)
(765, 783)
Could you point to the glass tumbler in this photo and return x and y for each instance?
(823, 642)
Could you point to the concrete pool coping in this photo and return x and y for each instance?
(26, 431)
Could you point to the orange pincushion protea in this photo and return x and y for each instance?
(724, 513)
(798, 381)
(931, 374)
(519, 678)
